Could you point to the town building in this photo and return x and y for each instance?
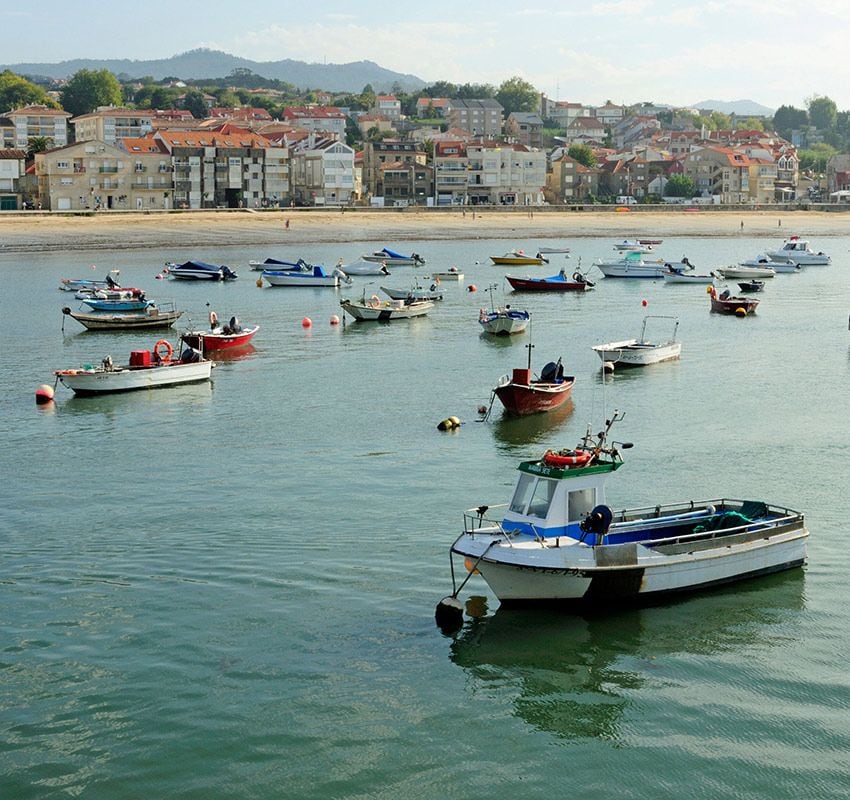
(110, 124)
(719, 172)
(480, 117)
(96, 175)
(525, 128)
(36, 122)
(12, 170)
(387, 105)
(387, 151)
(322, 172)
(318, 119)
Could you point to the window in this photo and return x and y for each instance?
(581, 503)
(542, 497)
(521, 494)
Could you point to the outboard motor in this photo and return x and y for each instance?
(549, 372)
(235, 327)
(596, 523)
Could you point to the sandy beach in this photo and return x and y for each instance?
(41, 231)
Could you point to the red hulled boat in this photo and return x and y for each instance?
(554, 283)
(520, 394)
(220, 337)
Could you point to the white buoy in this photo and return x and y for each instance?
(607, 366)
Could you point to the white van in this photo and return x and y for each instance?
(626, 200)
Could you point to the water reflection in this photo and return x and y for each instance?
(514, 433)
(575, 676)
(234, 353)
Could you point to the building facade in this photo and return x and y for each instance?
(110, 125)
(322, 172)
(38, 122)
(479, 117)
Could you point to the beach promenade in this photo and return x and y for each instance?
(46, 231)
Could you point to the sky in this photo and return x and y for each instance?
(625, 51)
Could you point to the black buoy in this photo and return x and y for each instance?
(449, 614)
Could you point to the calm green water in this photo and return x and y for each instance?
(228, 590)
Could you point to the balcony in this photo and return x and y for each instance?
(106, 169)
(140, 168)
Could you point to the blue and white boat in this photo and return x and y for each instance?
(307, 275)
(557, 542)
(393, 259)
(137, 303)
(200, 271)
(277, 263)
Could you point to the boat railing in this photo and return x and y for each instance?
(476, 520)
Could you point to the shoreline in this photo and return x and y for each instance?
(34, 231)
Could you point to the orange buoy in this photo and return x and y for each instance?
(44, 394)
(306, 322)
(260, 283)
(741, 312)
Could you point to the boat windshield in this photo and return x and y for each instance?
(542, 497)
(522, 493)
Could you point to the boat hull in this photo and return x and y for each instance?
(523, 399)
(279, 278)
(553, 284)
(746, 272)
(126, 379)
(676, 277)
(212, 341)
(385, 311)
(575, 573)
(633, 353)
(516, 261)
(125, 322)
(415, 294)
(634, 270)
(504, 325)
(732, 304)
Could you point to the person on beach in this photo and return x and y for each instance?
(287, 224)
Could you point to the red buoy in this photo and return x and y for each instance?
(306, 322)
(44, 394)
(472, 288)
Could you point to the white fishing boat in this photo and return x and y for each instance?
(452, 274)
(634, 246)
(683, 272)
(90, 285)
(415, 292)
(199, 271)
(306, 275)
(152, 316)
(363, 268)
(740, 271)
(799, 251)
(502, 320)
(377, 310)
(631, 265)
(641, 352)
(147, 369)
(557, 542)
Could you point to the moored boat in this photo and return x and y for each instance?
(132, 303)
(220, 336)
(799, 251)
(451, 274)
(747, 272)
(521, 394)
(683, 272)
(726, 303)
(518, 258)
(307, 275)
(76, 284)
(152, 316)
(415, 292)
(364, 268)
(393, 259)
(631, 265)
(502, 320)
(147, 369)
(634, 246)
(751, 286)
(277, 263)
(641, 352)
(557, 542)
(376, 310)
(553, 283)
(777, 266)
(200, 271)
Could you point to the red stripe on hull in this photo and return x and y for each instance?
(521, 400)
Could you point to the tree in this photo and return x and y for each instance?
(87, 89)
(194, 101)
(517, 94)
(582, 153)
(38, 144)
(16, 92)
(787, 119)
(822, 112)
(680, 186)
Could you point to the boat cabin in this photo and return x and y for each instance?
(550, 501)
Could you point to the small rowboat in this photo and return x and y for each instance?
(725, 303)
(518, 258)
(150, 317)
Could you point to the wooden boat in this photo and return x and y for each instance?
(740, 271)
(393, 259)
(376, 310)
(521, 394)
(76, 284)
(416, 292)
(151, 317)
(452, 274)
(641, 352)
(146, 370)
(725, 303)
(553, 283)
(518, 258)
(200, 271)
(557, 542)
(227, 336)
(751, 286)
(307, 275)
(798, 251)
(631, 265)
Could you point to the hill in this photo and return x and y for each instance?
(207, 64)
(740, 108)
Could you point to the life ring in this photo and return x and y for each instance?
(169, 350)
(566, 458)
(374, 301)
(213, 319)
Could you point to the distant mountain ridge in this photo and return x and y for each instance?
(203, 64)
(740, 108)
